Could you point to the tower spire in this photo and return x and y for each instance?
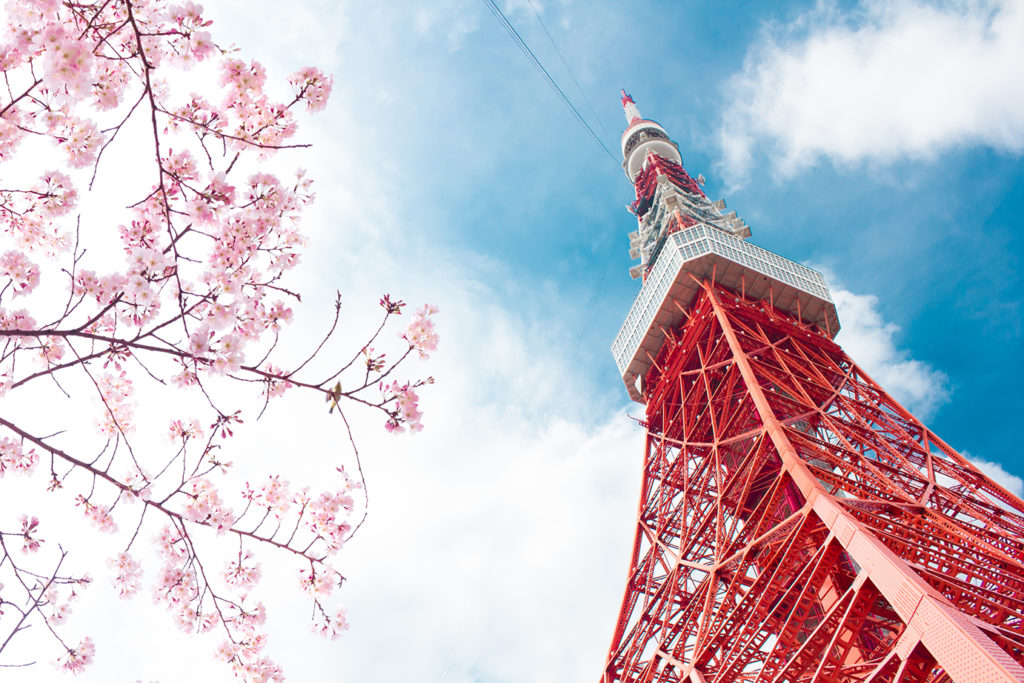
(643, 136)
(629, 106)
(795, 522)
(667, 198)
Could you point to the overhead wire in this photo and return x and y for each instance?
(535, 62)
(568, 69)
(450, 664)
(532, 58)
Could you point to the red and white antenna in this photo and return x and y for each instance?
(795, 522)
(629, 106)
(641, 138)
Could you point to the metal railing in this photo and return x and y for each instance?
(688, 245)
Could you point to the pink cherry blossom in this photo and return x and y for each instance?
(180, 288)
(117, 410)
(58, 611)
(185, 429)
(274, 496)
(57, 195)
(243, 572)
(312, 86)
(15, 458)
(318, 583)
(406, 410)
(67, 66)
(111, 80)
(276, 387)
(80, 140)
(99, 515)
(227, 651)
(420, 333)
(23, 274)
(76, 659)
(326, 518)
(171, 545)
(29, 527)
(127, 574)
(332, 626)
(205, 505)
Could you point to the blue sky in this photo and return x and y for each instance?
(881, 142)
(490, 163)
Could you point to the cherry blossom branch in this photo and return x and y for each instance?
(194, 300)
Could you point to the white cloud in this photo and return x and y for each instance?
(995, 472)
(499, 537)
(891, 79)
(497, 548)
(871, 341)
(497, 541)
(453, 19)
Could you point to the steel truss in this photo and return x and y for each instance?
(797, 524)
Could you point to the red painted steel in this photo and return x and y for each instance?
(797, 524)
(647, 182)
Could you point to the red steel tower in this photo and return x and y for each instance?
(795, 522)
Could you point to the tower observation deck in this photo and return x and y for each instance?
(683, 238)
(795, 522)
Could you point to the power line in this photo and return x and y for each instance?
(568, 68)
(532, 58)
(528, 53)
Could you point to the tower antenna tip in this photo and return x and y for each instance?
(629, 107)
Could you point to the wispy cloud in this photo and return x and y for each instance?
(452, 19)
(872, 343)
(891, 79)
(996, 473)
(507, 520)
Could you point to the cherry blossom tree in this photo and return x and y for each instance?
(179, 295)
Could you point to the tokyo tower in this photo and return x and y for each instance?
(795, 522)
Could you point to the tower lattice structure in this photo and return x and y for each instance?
(795, 522)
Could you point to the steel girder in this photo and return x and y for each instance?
(797, 524)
